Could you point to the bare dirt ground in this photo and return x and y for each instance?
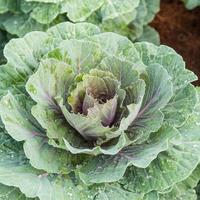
(180, 29)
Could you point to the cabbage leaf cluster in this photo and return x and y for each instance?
(130, 18)
(88, 115)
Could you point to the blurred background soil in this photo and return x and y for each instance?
(180, 29)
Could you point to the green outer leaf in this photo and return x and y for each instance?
(121, 13)
(153, 178)
(191, 4)
(11, 79)
(45, 1)
(184, 190)
(18, 122)
(169, 59)
(22, 126)
(120, 47)
(153, 195)
(11, 193)
(181, 106)
(171, 166)
(149, 35)
(115, 192)
(23, 53)
(20, 24)
(152, 9)
(34, 183)
(15, 171)
(6, 5)
(43, 156)
(45, 13)
(157, 94)
(78, 10)
(82, 55)
(67, 30)
(112, 168)
(53, 78)
(56, 126)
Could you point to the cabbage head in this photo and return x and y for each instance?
(92, 116)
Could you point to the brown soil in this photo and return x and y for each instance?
(180, 29)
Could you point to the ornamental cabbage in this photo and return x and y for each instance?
(90, 116)
(130, 18)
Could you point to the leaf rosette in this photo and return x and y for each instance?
(95, 116)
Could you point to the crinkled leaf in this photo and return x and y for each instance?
(185, 189)
(12, 80)
(45, 13)
(157, 94)
(7, 5)
(18, 122)
(82, 55)
(91, 129)
(112, 168)
(11, 193)
(67, 30)
(22, 126)
(124, 71)
(133, 101)
(46, 1)
(116, 192)
(53, 78)
(181, 106)
(78, 10)
(169, 59)
(149, 35)
(20, 24)
(119, 46)
(152, 8)
(24, 53)
(122, 13)
(105, 112)
(171, 166)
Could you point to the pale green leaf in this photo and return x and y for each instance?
(45, 13)
(112, 168)
(157, 94)
(116, 192)
(149, 35)
(124, 71)
(172, 166)
(185, 189)
(24, 53)
(53, 78)
(22, 126)
(191, 4)
(181, 106)
(67, 30)
(78, 10)
(11, 193)
(122, 13)
(169, 59)
(20, 24)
